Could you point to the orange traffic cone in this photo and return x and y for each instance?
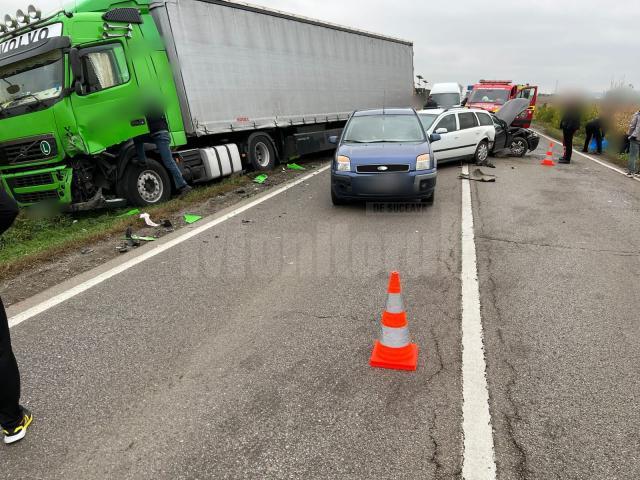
(394, 349)
(548, 162)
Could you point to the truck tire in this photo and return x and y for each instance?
(482, 152)
(147, 185)
(518, 147)
(262, 153)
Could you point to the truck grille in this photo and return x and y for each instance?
(42, 147)
(36, 197)
(384, 169)
(31, 180)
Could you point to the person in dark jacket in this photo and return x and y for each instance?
(431, 103)
(14, 418)
(594, 129)
(569, 125)
(160, 137)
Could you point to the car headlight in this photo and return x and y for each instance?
(344, 163)
(423, 162)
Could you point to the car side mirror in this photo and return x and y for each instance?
(76, 70)
(435, 137)
(442, 130)
(333, 139)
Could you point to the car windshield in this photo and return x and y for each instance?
(446, 100)
(32, 80)
(427, 120)
(489, 95)
(384, 128)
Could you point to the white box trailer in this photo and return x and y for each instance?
(240, 67)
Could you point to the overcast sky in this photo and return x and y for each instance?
(585, 43)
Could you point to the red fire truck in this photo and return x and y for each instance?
(492, 94)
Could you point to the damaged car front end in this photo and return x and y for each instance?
(516, 141)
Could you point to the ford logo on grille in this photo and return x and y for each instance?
(383, 168)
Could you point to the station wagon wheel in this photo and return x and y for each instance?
(518, 147)
(482, 152)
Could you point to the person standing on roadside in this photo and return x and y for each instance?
(569, 125)
(594, 129)
(14, 418)
(634, 145)
(159, 136)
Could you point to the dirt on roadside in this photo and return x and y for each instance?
(43, 275)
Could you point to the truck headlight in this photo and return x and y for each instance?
(344, 163)
(423, 162)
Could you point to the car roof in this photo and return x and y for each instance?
(384, 111)
(438, 111)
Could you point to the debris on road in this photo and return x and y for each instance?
(191, 218)
(478, 176)
(86, 251)
(167, 225)
(295, 166)
(260, 179)
(130, 213)
(147, 219)
(143, 239)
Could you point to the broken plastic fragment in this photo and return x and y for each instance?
(144, 239)
(191, 218)
(294, 166)
(130, 213)
(147, 219)
(260, 179)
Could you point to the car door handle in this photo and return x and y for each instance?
(138, 122)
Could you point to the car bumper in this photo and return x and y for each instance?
(384, 186)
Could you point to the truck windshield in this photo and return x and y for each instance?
(446, 100)
(31, 81)
(489, 95)
(384, 128)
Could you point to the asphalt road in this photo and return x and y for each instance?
(242, 353)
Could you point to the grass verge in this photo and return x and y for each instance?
(35, 240)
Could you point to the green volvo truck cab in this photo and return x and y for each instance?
(70, 86)
(241, 87)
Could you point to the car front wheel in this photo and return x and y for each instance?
(518, 147)
(482, 152)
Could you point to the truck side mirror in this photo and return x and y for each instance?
(76, 70)
(333, 139)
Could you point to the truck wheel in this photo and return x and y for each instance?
(518, 147)
(262, 154)
(147, 185)
(482, 152)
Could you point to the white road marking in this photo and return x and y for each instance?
(604, 164)
(478, 461)
(83, 287)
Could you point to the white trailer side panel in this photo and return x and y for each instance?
(245, 68)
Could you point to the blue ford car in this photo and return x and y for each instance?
(383, 155)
